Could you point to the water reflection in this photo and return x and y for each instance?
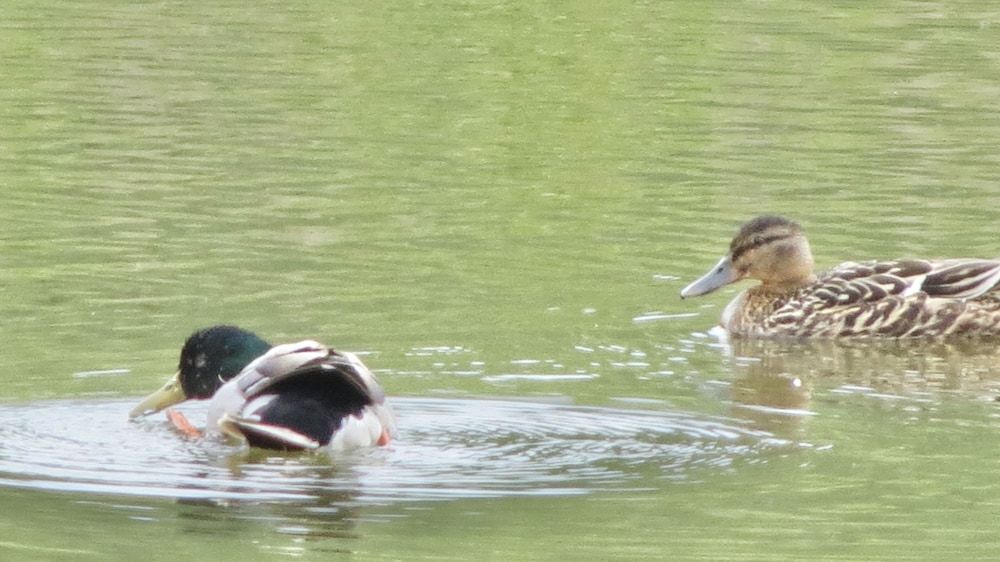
(327, 508)
(775, 380)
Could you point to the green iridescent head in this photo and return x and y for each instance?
(209, 358)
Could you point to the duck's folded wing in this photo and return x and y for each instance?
(340, 376)
(896, 299)
(302, 395)
(853, 283)
(266, 435)
(963, 279)
(853, 297)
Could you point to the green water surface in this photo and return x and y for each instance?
(482, 197)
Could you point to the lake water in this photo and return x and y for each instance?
(496, 205)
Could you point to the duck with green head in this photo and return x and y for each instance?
(294, 396)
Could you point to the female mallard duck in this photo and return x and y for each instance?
(294, 396)
(903, 298)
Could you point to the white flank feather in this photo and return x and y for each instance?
(915, 286)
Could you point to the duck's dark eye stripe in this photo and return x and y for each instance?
(755, 242)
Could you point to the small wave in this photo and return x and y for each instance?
(446, 448)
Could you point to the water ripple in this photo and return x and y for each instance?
(447, 448)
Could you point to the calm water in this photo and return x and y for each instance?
(497, 204)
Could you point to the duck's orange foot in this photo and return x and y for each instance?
(181, 424)
(384, 439)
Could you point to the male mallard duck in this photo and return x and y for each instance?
(902, 298)
(294, 396)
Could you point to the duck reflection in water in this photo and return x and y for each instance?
(775, 380)
(294, 497)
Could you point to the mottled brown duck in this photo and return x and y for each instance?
(908, 298)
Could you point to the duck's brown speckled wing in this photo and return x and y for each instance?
(964, 279)
(905, 298)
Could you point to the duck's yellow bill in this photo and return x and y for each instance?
(170, 394)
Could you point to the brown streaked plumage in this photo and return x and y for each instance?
(900, 299)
